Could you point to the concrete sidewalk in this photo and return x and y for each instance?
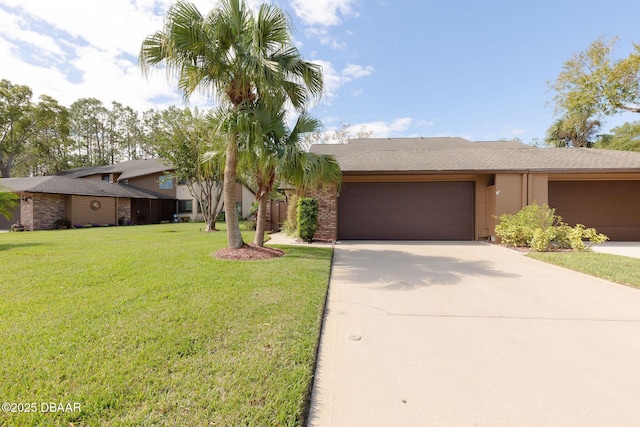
(456, 334)
(630, 249)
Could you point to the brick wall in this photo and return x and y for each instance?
(40, 211)
(327, 212)
(26, 210)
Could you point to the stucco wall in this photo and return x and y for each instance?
(79, 210)
(538, 189)
(512, 192)
(509, 193)
(483, 209)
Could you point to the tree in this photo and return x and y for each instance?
(572, 131)
(339, 136)
(17, 123)
(593, 83)
(279, 155)
(51, 146)
(238, 56)
(625, 137)
(8, 201)
(89, 125)
(183, 138)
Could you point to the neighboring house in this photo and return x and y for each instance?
(188, 206)
(453, 189)
(136, 191)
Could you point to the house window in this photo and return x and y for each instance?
(105, 177)
(185, 206)
(166, 183)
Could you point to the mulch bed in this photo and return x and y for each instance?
(249, 252)
(526, 249)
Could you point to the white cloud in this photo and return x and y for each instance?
(322, 12)
(80, 49)
(12, 26)
(377, 129)
(385, 129)
(334, 80)
(352, 71)
(323, 36)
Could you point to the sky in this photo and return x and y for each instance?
(398, 68)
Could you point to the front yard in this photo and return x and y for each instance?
(143, 326)
(619, 269)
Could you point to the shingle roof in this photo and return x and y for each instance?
(460, 155)
(83, 187)
(128, 169)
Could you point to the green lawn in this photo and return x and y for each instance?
(143, 326)
(615, 268)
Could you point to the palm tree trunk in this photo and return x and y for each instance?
(261, 221)
(234, 238)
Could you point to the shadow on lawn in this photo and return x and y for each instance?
(9, 246)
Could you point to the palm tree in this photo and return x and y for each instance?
(239, 57)
(277, 154)
(572, 131)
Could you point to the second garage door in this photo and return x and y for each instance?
(611, 207)
(406, 211)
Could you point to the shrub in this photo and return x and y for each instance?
(518, 229)
(542, 237)
(539, 228)
(307, 218)
(290, 225)
(252, 219)
(62, 223)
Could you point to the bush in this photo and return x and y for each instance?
(518, 229)
(252, 219)
(62, 223)
(539, 228)
(290, 225)
(307, 218)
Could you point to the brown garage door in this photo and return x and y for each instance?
(611, 207)
(406, 211)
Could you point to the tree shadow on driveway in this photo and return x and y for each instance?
(397, 270)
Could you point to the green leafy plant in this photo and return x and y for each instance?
(252, 221)
(62, 223)
(8, 201)
(539, 228)
(518, 229)
(307, 218)
(290, 225)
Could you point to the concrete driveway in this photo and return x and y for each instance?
(457, 334)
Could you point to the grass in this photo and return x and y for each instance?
(143, 326)
(619, 269)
